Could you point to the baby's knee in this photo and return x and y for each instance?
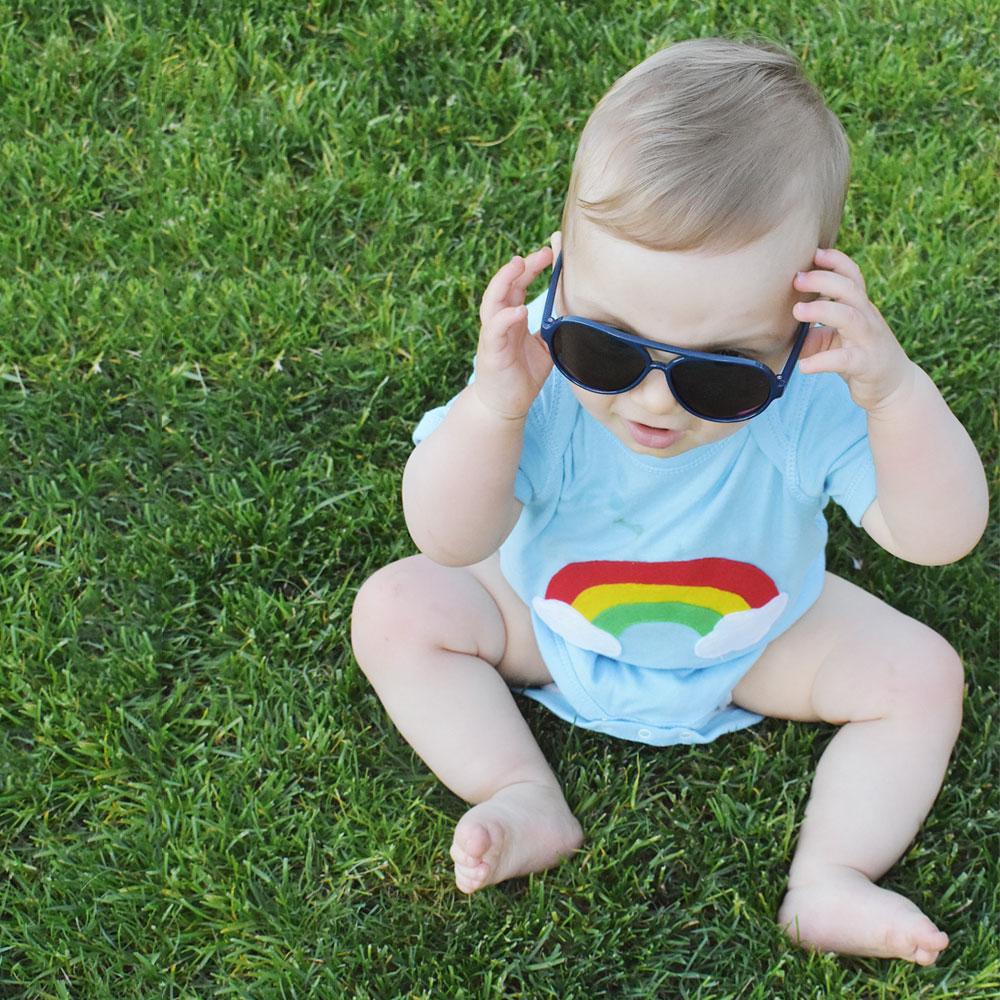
(931, 674)
(382, 610)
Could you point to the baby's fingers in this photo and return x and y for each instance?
(534, 264)
(838, 261)
(841, 360)
(833, 286)
(496, 295)
(498, 329)
(509, 284)
(849, 321)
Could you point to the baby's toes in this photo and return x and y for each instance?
(469, 850)
(461, 856)
(470, 843)
(469, 878)
(928, 944)
(920, 940)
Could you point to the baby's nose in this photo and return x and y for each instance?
(653, 394)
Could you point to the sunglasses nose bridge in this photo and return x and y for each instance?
(646, 386)
(664, 367)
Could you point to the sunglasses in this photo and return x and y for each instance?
(604, 359)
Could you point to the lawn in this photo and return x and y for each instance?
(242, 249)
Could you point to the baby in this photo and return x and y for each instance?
(621, 515)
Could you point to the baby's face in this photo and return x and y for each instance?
(740, 301)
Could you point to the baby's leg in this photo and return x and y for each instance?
(895, 686)
(437, 643)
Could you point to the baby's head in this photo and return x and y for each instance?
(704, 179)
(708, 145)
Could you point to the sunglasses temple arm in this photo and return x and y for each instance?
(550, 297)
(800, 339)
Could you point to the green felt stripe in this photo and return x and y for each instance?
(616, 620)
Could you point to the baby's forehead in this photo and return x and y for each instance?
(752, 284)
(687, 294)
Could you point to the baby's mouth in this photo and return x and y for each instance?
(652, 437)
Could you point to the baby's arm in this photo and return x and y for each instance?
(458, 485)
(932, 500)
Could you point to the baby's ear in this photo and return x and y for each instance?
(555, 241)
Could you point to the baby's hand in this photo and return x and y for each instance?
(511, 364)
(854, 341)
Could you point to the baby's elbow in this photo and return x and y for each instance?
(968, 535)
(423, 536)
(936, 558)
(974, 537)
(976, 520)
(955, 538)
(439, 554)
(955, 550)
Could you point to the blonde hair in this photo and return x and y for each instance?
(709, 144)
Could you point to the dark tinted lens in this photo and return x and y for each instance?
(596, 359)
(716, 389)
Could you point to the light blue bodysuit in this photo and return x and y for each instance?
(655, 583)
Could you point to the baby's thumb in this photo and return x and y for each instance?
(555, 241)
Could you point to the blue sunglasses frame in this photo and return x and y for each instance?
(776, 383)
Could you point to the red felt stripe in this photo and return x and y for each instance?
(751, 583)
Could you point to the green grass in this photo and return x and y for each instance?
(243, 247)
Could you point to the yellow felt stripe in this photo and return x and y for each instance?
(592, 601)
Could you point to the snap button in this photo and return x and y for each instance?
(645, 733)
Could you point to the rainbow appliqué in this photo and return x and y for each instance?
(730, 605)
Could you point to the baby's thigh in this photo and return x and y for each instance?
(851, 657)
(521, 663)
(460, 609)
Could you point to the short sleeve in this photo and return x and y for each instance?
(833, 457)
(432, 419)
(546, 435)
(546, 431)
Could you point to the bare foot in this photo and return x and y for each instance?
(843, 911)
(525, 827)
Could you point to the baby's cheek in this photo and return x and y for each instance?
(709, 431)
(597, 404)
